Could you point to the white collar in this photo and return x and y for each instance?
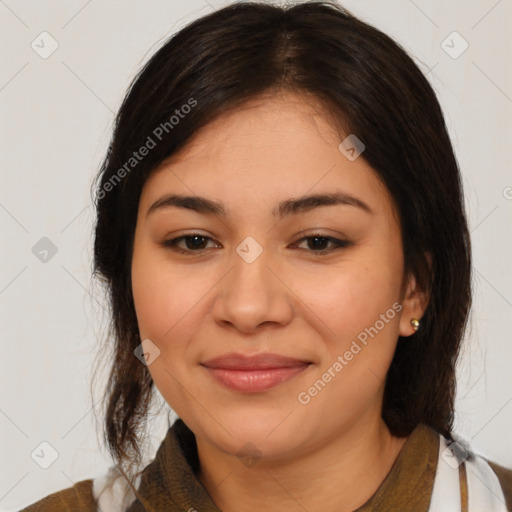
(484, 489)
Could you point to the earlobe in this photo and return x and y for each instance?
(414, 305)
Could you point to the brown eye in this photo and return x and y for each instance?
(320, 244)
(192, 243)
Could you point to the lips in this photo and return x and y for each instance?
(255, 373)
(254, 362)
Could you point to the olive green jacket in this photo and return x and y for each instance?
(169, 483)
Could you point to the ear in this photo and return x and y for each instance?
(414, 304)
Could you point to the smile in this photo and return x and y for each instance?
(254, 381)
(253, 374)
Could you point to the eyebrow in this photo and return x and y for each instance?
(285, 208)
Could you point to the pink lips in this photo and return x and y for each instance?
(252, 374)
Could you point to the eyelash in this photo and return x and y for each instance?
(338, 244)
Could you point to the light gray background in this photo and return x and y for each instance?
(56, 119)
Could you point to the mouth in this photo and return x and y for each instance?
(253, 374)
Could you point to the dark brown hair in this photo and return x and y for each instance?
(371, 88)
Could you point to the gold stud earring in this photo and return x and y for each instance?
(415, 324)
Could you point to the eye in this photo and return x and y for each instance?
(318, 243)
(195, 242)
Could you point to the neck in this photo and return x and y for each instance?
(339, 476)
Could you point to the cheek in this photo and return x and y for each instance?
(361, 308)
(350, 297)
(167, 301)
(165, 296)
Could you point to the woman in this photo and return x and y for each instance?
(281, 228)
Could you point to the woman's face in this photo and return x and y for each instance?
(323, 315)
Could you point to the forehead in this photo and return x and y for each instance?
(270, 148)
(286, 121)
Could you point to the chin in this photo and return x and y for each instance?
(254, 435)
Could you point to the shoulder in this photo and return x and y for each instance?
(483, 482)
(493, 476)
(109, 492)
(78, 498)
(505, 478)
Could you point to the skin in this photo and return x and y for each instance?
(332, 453)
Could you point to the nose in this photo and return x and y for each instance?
(252, 294)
